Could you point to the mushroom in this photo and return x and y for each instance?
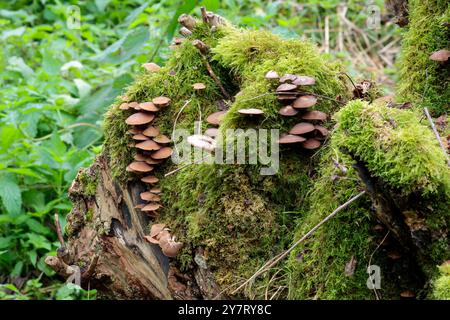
(311, 144)
(251, 111)
(134, 105)
(315, 115)
(286, 87)
(178, 41)
(148, 145)
(286, 97)
(171, 248)
(161, 101)
(148, 196)
(187, 21)
(288, 111)
(148, 106)
(272, 75)
(134, 131)
(162, 153)
(125, 98)
(162, 139)
(304, 102)
(155, 230)
(152, 67)
(290, 138)
(150, 160)
(301, 128)
(155, 190)
(151, 207)
(202, 142)
(407, 294)
(323, 132)
(140, 137)
(212, 132)
(150, 179)
(140, 118)
(440, 55)
(124, 106)
(304, 81)
(199, 86)
(215, 117)
(288, 78)
(185, 32)
(139, 206)
(151, 131)
(139, 166)
(139, 157)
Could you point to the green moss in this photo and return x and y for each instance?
(88, 183)
(89, 215)
(422, 81)
(441, 285)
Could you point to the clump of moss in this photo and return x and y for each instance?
(422, 81)
(88, 181)
(441, 285)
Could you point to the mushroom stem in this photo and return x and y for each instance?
(433, 127)
(204, 14)
(187, 21)
(201, 46)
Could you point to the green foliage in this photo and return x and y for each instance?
(441, 285)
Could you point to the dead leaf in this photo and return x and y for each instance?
(350, 267)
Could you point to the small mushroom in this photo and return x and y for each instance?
(215, 117)
(150, 179)
(134, 131)
(140, 137)
(139, 118)
(315, 115)
(178, 41)
(161, 101)
(185, 32)
(148, 196)
(155, 230)
(288, 78)
(286, 87)
(155, 190)
(162, 139)
(134, 105)
(139, 166)
(151, 131)
(272, 75)
(212, 132)
(322, 131)
(311, 144)
(139, 206)
(151, 207)
(304, 81)
(301, 128)
(152, 161)
(286, 97)
(290, 138)
(139, 157)
(199, 86)
(125, 98)
(162, 153)
(171, 248)
(148, 145)
(124, 106)
(148, 106)
(440, 55)
(407, 294)
(202, 142)
(288, 111)
(152, 67)
(187, 21)
(304, 102)
(251, 111)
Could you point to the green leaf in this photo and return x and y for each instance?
(183, 7)
(33, 257)
(37, 227)
(10, 194)
(38, 241)
(17, 269)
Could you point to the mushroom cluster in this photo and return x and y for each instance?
(151, 145)
(308, 132)
(161, 235)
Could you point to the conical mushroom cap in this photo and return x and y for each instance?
(140, 166)
(152, 67)
(288, 111)
(161, 101)
(150, 179)
(272, 75)
(148, 145)
(124, 106)
(199, 86)
(440, 55)
(215, 118)
(162, 153)
(148, 106)
(148, 196)
(251, 111)
(162, 139)
(286, 87)
(301, 128)
(304, 102)
(140, 137)
(304, 81)
(315, 115)
(139, 118)
(311, 144)
(291, 138)
(212, 132)
(151, 207)
(151, 131)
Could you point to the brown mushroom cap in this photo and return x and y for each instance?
(288, 111)
(301, 128)
(140, 118)
(139, 166)
(156, 229)
(304, 102)
(321, 130)
(140, 137)
(139, 206)
(288, 78)
(304, 81)
(171, 248)
(155, 190)
(139, 157)
(162, 139)
(440, 55)
(212, 132)
(134, 131)
(251, 111)
(162, 153)
(290, 138)
(134, 105)
(215, 117)
(272, 75)
(286, 97)
(151, 207)
(148, 106)
(148, 145)
(152, 67)
(311, 144)
(161, 101)
(407, 294)
(148, 196)
(286, 87)
(151, 131)
(199, 86)
(178, 41)
(124, 106)
(152, 161)
(150, 179)
(315, 115)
